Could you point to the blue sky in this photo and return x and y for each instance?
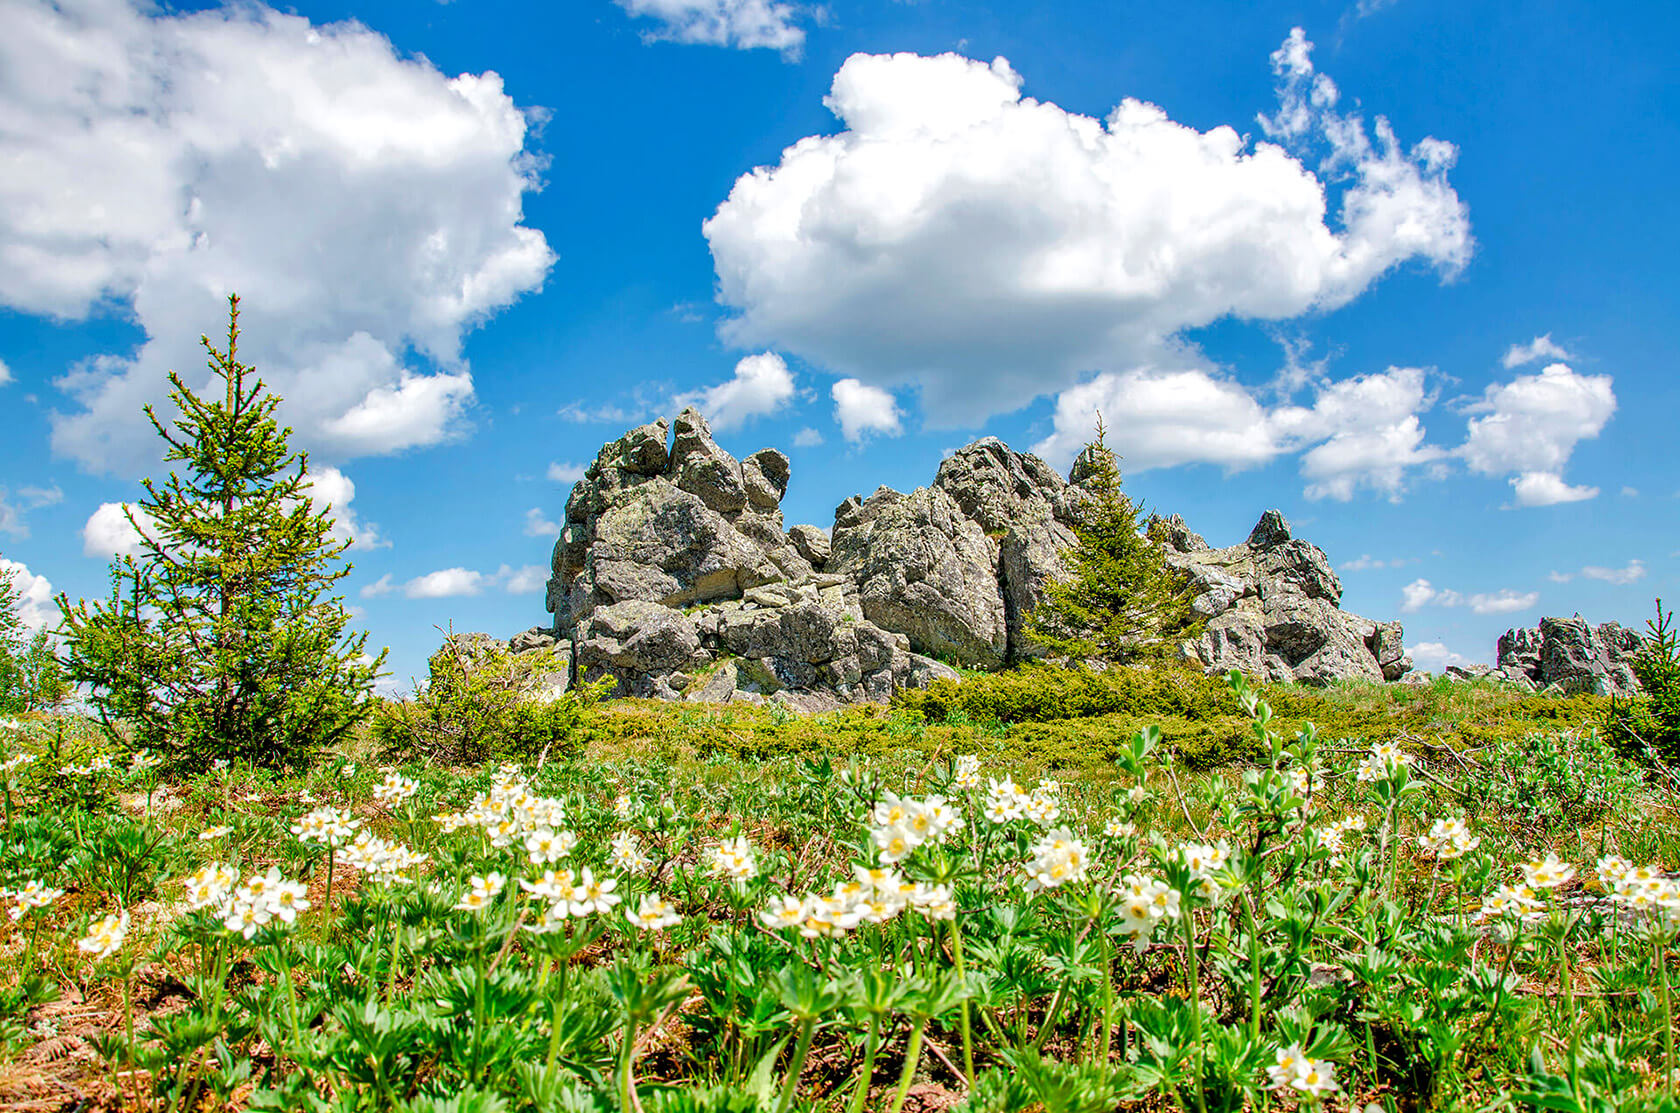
(1404, 270)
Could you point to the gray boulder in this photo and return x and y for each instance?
(675, 528)
(639, 644)
(812, 544)
(926, 570)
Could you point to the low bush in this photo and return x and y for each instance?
(1041, 693)
(475, 708)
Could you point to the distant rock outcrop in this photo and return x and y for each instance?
(1273, 608)
(675, 576)
(1570, 653)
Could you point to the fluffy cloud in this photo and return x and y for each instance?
(537, 524)
(327, 486)
(109, 533)
(989, 248)
(564, 473)
(861, 409)
(1530, 425)
(35, 596)
(448, 583)
(807, 438)
(760, 386)
(1541, 347)
(5, 373)
(367, 206)
(743, 24)
(1434, 656)
(1421, 593)
(1362, 431)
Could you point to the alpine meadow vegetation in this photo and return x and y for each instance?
(222, 637)
(902, 915)
(242, 883)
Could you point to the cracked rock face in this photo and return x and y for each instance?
(675, 575)
(1572, 654)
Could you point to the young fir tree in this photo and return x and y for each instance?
(30, 677)
(1122, 602)
(222, 638)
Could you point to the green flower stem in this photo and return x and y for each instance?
(860, 1095)
(807, 1029)
(1103, 1044)
(1195, 1004)
(1668, 1014)
(912, 1057)
(967, 1032)
(625, 1053)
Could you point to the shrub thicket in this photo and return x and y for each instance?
(475, 707)
(222, 637)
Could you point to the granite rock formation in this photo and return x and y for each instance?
(1571, 654)
(1273, 608)
(674, 575)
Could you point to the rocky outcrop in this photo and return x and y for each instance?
(675, 576)
(1571, 654)
(958, 566)
(1273, 608)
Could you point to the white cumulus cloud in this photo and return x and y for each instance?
(1541, 347)
(5, 373)
(1528, 427)
(109, 533)
(807, 438)
(988, 247)
(366, 206)
(564, 473)
(327, 486)
(14, 509)
(446, 583)
(862, 409)
(1362, 431)
(1632, 572)
(761, 385)
(743, 24)
(1421, 593)
(36, 609)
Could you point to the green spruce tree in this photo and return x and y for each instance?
(30, 676)
(222, 637)
(1122, 602)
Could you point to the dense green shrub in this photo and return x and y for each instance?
(1550, 782)
(475, 708)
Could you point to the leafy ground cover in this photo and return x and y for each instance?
(1447, 897)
